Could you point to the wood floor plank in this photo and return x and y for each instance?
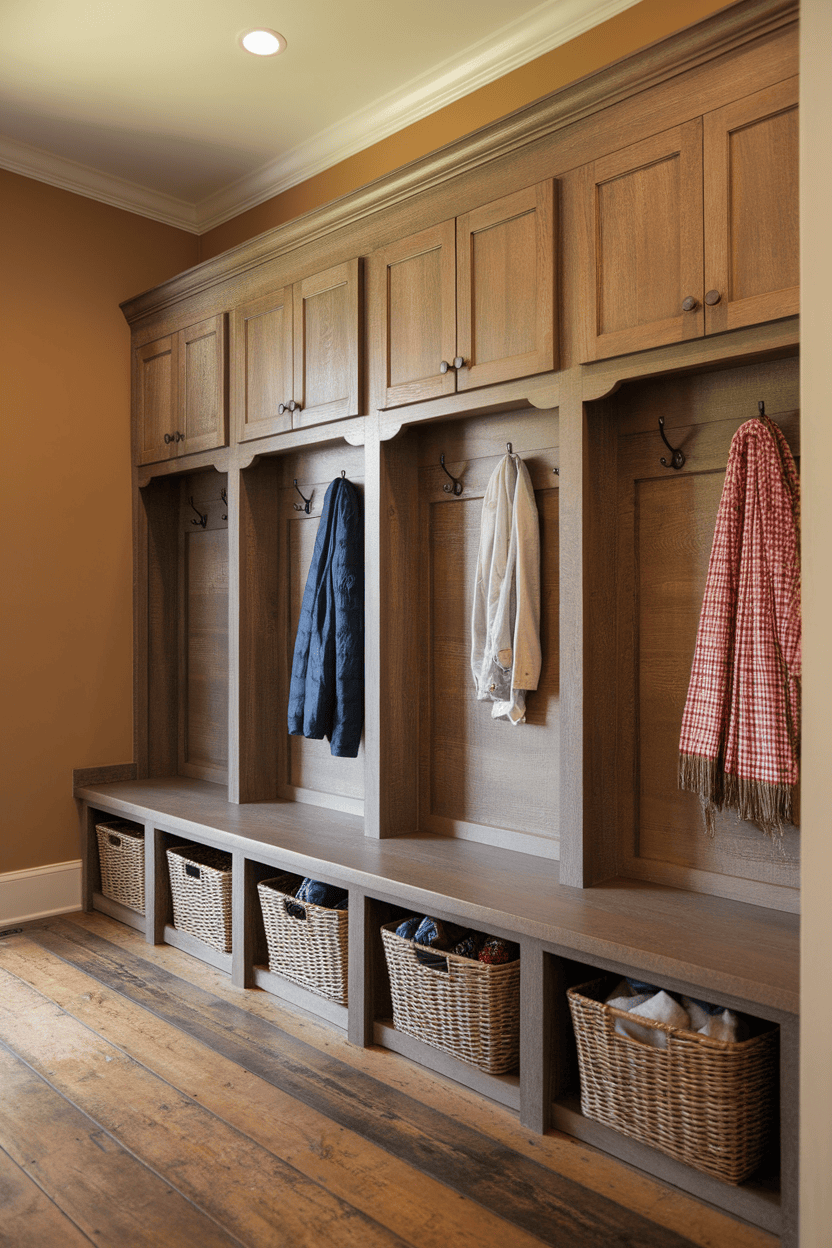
(413, 1205)
(669, 1207)
(557, 1210)
(29, 1219)
(104, 1190)
(256, 1196)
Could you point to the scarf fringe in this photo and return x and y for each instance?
(770, 806)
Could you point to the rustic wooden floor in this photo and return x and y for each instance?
(145, 1101)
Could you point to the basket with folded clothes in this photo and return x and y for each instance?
(455, 989)
(306, 925)
(687, 1076)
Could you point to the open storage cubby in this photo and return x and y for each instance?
(472, 776)
(757, 1198)
(277, 539)
(182, 676)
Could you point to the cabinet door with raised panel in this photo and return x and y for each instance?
(413, 285)
(752, 270)
(155, 378)
(261, 366)
(202, 391)
(505, 261)
(645, 266)
(326, 345)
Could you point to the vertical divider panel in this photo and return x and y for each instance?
(243, 900)
(89, 855)
(157, 904)
(537, 1005)
(158, 731)
(391, 598)
(255, 707)
(360, 969)
(587, 631)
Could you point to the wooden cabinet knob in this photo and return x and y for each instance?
(459, 362)
(689, 304)
(712, 297)
(444, 366)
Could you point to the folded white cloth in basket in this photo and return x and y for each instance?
(719, 1025)
(660, 1006)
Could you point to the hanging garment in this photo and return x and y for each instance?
(739, 744)
(505, 623)
(326, 694)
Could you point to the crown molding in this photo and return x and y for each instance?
(717, 35)
(69, 175)
(548, 26)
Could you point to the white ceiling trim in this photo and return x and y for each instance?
(69, 175)
(548, 26)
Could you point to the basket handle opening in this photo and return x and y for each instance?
(434, 960)
(190, 869)
(114, 840)
(294, 909)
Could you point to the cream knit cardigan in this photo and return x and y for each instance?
(505, 622)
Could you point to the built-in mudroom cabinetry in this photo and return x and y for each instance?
(605, 278)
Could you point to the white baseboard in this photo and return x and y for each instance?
(39, 892)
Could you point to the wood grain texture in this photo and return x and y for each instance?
(202, 399)
(666, 522)
(327, 365)
(30, 1218)
(751, 209)
(156, 380)
(505, 254)
(646, 244)
(522, 1192)
(725, 946)
(262, 364)
(636, 1190)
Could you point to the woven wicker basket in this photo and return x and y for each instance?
(708, 1103)
(307, 943)
(121, 857)
(200, 884)
(471, 1010)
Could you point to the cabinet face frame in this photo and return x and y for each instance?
(683, 143)
(156, 366)
(723, 198)
(255, 414)
(202, 387)
(392, 331)
(344, 334)
(471, 277)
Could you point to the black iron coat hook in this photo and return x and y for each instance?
(224, 497)
(306, 501)
(677, 457)
(456, 488)
(203, 520)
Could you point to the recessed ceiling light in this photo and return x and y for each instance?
(263, 42)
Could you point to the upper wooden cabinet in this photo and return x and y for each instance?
(695, 230)
(467, 302)
(180, 390)
(295, 355)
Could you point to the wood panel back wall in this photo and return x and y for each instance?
(182, 627)
(479, 778)
(666, 528)
(276, 551)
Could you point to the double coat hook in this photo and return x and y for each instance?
(306, 501)
(456, 488)
(677, 457)
(203, 520)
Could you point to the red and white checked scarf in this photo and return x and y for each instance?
(739, 746)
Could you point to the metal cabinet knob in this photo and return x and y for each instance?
(281, 407)
(444, 366)
(712, 297)
(168, 438)
(689, 304)
(180, 437)
(459, 362)
(293, 406)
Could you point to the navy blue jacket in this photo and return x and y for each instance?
(326, 694)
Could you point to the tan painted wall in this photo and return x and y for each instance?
(816, 465)
(643, 23)
(65, 624)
